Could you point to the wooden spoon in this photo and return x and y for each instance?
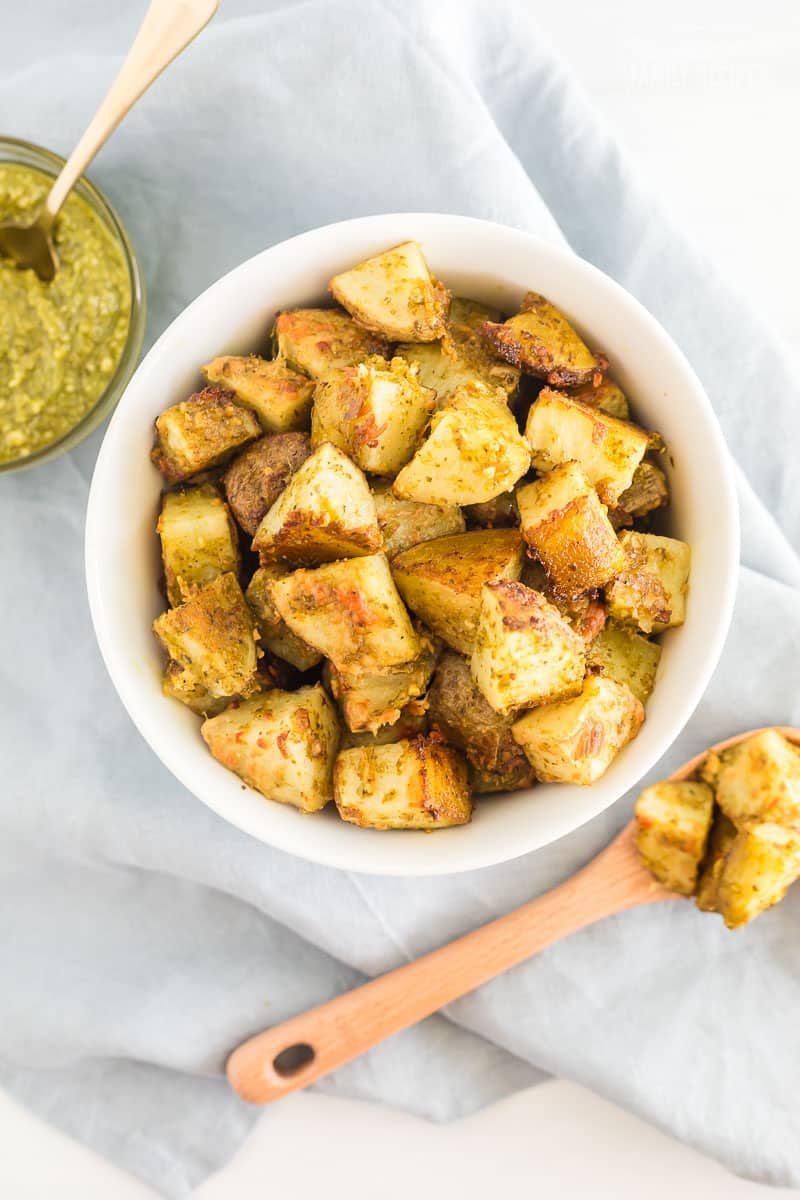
(304, 1048)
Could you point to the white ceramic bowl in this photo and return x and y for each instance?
(494, 264)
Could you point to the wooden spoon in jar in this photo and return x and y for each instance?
(293, 1055)
(167, 29)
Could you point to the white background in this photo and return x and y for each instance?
(705, 95)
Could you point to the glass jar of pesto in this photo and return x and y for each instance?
(69, 347)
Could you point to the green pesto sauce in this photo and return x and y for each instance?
(60, 342)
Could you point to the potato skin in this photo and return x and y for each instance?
(458, 709)
(440, 580)
(421, 783)
(279, 396)
(198, 540)
(603, 393)
(567, 527)
(648, 491)
(255, 479)
(211, 646)
(281, 743)
(406, 523)
(499, 513)
(673, 824)
(540, 340)
(316, 340)
(276, 635)
(201, 432)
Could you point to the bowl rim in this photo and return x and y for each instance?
(305, 847)
(47, 162)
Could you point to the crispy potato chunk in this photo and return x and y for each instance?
(500, 513)
(463, 355)
(350, 611)
(723, 835)
(648, 492)
(602, 392)
(441, 580)
(255, 479)
(326, 512)
(525, 652)
(276, 635)
(412, 721)
(673, 824)
(458, 710)
(760, 867)
(211, 645)
(280, 398)
(201, 432)
(316, 340)
(406, 523)
(420, 783)
(198, 540)
(394, 294)
(560, 429)
(369, 699)
(283, 744)
(473, 453)
(759, 780)
(575, 741)
(375, 412)
(566, 525)
(650, 591)
(626, 656)
(541, 341)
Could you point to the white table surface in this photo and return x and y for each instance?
(704, 94)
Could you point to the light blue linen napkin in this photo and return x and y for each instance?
(142, 937)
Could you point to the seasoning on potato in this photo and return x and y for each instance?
(381, 592)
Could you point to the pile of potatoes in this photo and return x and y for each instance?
(409, 559)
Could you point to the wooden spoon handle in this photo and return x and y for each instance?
(298, 1052)
(167, 28)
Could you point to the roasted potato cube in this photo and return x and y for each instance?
(211, 645)
(650, 590)
(406, 523)
(395, 294)
(723, 835)
(375, 412)
(459, 711)
(326, 512)
(420, 783)
(647, 493)
(441, 580)
(525, 652)
(560, 429)
(198, 540)
(500, 513)
(276, 635)
(759, 780)
(673, 823)
(463, 355)
(350, 611)
(603, 393)
(201, 432)
(255, 479)
(371, 698)
(280, 398)
(761, 865)
(541, 341)
(626, 656)
(283, 744)
(473, 453)
(316, 340)
(412, 721)
(566, 525)
(575, 741)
